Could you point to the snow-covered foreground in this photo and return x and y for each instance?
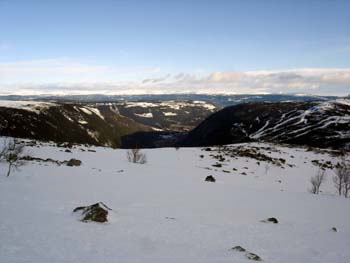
(164, 211)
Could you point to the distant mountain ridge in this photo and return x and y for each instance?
(221, 100)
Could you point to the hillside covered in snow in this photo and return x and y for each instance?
(103, 123)
(318, 124)
(165, 211)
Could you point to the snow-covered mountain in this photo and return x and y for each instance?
(103, 123)
(165, 211)
(65, 122)
(320, 124)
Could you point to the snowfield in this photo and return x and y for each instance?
(145, 115)
(34, 106)
(164, 211)
(171, 104)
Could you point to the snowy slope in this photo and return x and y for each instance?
(295, 124)
(318, 124)
(102, 123)
(163, 211)
(65, 122)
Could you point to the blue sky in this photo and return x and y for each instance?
(184, 45)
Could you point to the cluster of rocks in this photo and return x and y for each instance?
(224, 153)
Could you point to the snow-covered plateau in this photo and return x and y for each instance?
(165, 211)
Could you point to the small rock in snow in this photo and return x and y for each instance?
(248, 254)
(97, 212)
(210, 178)
(271, 220)
(239, 248)
(253, 256)
(74, 162)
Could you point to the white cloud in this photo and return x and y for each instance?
(66, 70)
(67, 76)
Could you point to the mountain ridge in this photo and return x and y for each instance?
(319, 124)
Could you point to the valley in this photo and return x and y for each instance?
(155, 123)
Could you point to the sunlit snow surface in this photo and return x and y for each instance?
(171, 104)
(164, 211)
(34, 106)
(145, 115)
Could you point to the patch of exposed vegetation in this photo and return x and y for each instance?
(228, 152)
(323, 164)
(71, 162)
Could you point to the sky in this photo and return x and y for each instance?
(137, 47)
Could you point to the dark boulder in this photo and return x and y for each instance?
(74, 162)
(252, 256)
(210, 178)
(97, 212)
(271, 220)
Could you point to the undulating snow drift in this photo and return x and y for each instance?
(164, 211)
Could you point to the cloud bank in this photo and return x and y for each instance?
(66, 76)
